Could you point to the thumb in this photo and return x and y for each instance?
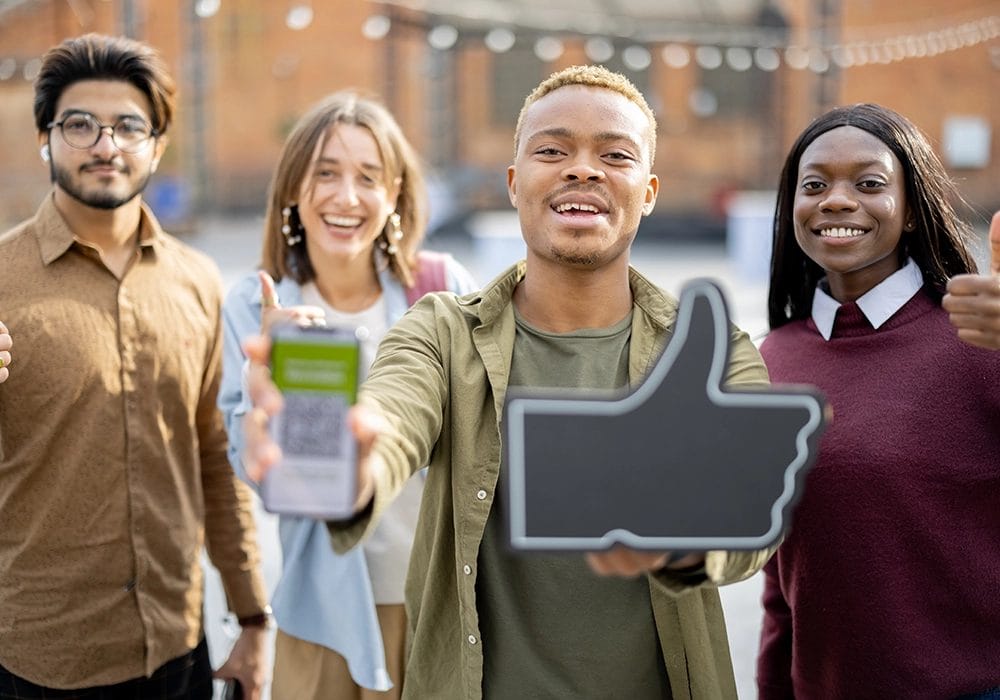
(699, 348)
(268, 292)
(995, 245)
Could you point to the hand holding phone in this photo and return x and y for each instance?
(316, 369)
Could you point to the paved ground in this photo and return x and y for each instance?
(235, 245)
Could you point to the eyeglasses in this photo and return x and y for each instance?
(82, 130)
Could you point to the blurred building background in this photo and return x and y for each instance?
(731, 81)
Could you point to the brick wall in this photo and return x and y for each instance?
(244, 77)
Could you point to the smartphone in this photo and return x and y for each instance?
(316, 368)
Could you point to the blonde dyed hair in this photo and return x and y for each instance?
(595, 77)
(399, 164)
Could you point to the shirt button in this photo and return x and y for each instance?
(467, 569)
(481, 495)
(472, 639)
(129, 586)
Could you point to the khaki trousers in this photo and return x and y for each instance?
(307, 671)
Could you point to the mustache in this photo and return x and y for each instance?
(113, 163)
(578, 188)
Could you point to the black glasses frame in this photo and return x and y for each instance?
(101, 128)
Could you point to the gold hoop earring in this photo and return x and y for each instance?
(286, 227)
(393, 235)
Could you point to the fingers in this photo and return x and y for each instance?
(264, 394)
(625, 562)
(972, 285)
(995, 245)
(973, 306)
(302, 315)
(5, 357)
(268, 292)
(260, 452)
(308, 315)
(245, 663)
(981, 339)
(366, 425)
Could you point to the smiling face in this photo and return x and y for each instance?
(345, 200)
(102, 176)
(581, 180)
(850, 209)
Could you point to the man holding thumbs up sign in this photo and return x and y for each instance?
(484, 621)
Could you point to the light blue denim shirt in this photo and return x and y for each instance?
(322, 597)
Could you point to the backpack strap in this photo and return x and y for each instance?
(430, 275)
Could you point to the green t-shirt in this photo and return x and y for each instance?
(551, 628)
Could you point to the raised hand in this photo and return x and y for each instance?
(973, 301)
(271, 310)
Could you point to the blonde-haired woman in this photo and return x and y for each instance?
(345, 218)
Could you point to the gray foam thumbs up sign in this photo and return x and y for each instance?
(677, 463)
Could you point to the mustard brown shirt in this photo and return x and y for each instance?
(113, 467)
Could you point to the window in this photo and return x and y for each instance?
(515, 74)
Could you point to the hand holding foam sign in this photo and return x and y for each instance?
(676, 464)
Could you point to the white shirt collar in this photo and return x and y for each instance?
(878, 304)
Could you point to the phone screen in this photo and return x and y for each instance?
(316, 369)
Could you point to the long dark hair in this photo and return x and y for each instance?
(939, 243)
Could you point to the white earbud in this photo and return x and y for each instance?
(44, 153)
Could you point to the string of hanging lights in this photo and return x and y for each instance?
(738, 48)
(745, 49)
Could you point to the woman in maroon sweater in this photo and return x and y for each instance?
(888, 582)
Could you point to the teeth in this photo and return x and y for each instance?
(577, 206)
(841, 232)
(344, 221)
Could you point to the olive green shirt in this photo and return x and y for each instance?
(439, 378)
(608, 646)
(113, 467)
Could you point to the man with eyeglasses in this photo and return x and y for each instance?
(113, 468)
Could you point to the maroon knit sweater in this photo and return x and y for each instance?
(888, 583)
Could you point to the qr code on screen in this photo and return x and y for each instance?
(314, 425)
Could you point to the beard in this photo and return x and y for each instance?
(575, 259)
(100, 199)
